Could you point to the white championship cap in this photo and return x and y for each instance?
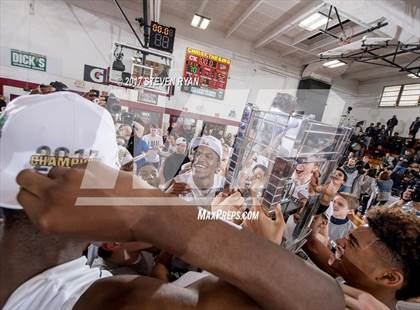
(43, 131)
(212, 143)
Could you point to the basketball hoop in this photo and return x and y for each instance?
(144, 70)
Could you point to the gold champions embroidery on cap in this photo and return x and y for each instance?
(57, 161)
(61, 157)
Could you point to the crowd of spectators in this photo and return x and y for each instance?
(395, 159)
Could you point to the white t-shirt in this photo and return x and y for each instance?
(204, 197)
(405, 305)
(154, 143)
(190, 278)
(57, 288)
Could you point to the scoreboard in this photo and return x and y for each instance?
(162, 37)
(209, 73)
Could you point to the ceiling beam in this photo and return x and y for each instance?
(329, 40)
(202, 7)
(370, 74)
(308, 8)
(374, 71)
(154, 10)
(158, 4)
(306, 35)
(251, 9)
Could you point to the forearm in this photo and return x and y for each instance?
(81, 203)
(226, 252)
(398, 204)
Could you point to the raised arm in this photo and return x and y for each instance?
(270, 275)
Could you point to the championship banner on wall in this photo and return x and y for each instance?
(209, 73)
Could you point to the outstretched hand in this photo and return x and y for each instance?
(229, 202)
(265, 226)
(359, 300)
(178, 188)
(226, 202)
(87, 202)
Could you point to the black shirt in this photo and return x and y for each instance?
(173, 165)
(414, 127)
(371, 131)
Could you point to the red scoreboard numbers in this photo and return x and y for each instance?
(209, 71)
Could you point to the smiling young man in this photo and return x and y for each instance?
(203, 182)
(382, 259)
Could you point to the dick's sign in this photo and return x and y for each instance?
(28, 60)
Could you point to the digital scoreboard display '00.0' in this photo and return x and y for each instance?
(162, 37)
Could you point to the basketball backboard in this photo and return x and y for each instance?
(139, 68)
(354, 46)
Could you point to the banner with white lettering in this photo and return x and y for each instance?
(28, 60)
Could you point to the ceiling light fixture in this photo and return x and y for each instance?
(313, 21)
(200, 21)
(334, 63)
(413, 76)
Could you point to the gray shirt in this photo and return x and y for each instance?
(338, 228)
